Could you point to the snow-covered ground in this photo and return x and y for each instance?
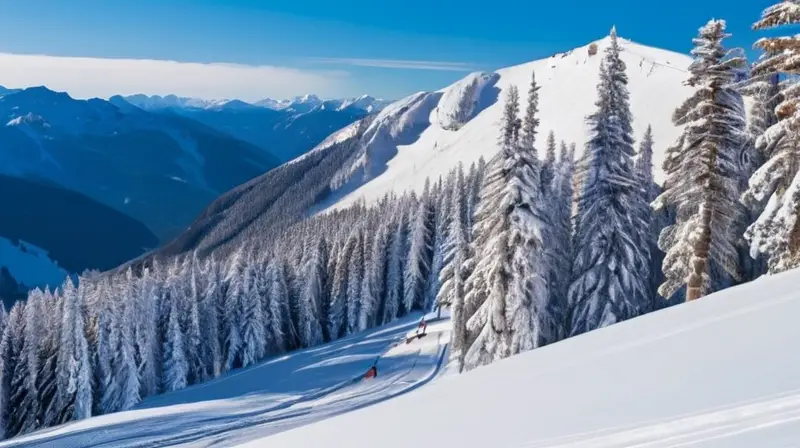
(719, 372)
(29, 264)
(723, 371)
(277, 395)
(432, 144)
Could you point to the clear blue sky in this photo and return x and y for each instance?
(442, 38)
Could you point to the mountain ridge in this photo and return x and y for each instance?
(398, 148)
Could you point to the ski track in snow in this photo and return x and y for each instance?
(691, 429)
(224, 413)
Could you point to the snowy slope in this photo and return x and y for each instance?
(428, 134)
(568, 92)
(719, 372)
(275, 396)
(30, 265)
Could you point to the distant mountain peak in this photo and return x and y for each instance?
(30, 119)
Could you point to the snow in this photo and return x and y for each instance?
(396, 124)
(333, 139)
(717, 372)
(364, 102)
(568, 91)
(29, 264)
(461, 101)
(300, 104)
(277, 395)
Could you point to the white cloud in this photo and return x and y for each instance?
(397, 63)
(99, 77)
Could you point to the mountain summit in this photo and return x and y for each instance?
(429, 133)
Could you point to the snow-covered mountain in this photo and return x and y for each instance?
(427, 134)
(160, 169)
(299, 104)
(284, 128)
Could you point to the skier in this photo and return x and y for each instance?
(422, 327)
(372, 372)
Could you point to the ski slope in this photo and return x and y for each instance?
(293, 390)
(419, 138)
(723, 371)
(719, 372)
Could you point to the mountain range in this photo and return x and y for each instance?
(284, 128)
(140, 168)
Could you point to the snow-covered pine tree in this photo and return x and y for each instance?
(289, 305)
(395, 266)
(607, 284)
(441, 222)
(765, 94)
(702, 173)
(147, 342)
(451, 277)
(210, 350)
(551, 315)
(776, 233)
(102, 344)
(28, 413)
(419, 254)
(656, 219)
(252, 315)
(560, 244)
(11, 354)
(374, 294)
(510, 254)
(46, 381)
(325, 307)
(125, 370)
(312, 294)
(191, 321)
(17, 392)
(530, 122)
(475, 180)
(337, 318)
(549, 164)
(74, 376)
(176, 368)
(278, 295)
(237, 283)
(355, 279)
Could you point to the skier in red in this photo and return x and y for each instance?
(372, 372)
(422, 327)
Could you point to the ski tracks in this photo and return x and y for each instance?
(708, 428)
(400, 375)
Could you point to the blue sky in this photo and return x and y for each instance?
(336, 48)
